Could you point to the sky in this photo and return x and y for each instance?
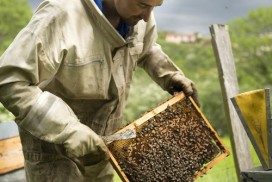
(190, 16)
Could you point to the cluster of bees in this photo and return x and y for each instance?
(172, 146)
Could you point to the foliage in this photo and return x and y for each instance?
(14, 16)
(144, 95)
(252, 46)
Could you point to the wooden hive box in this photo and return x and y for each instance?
(174, 142)
(11, 154)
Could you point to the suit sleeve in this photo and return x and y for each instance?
(154, 61)
(32, 59)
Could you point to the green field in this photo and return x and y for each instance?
(224, 171)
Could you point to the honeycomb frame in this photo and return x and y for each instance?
(165, 148)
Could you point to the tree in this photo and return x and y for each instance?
(252, 46)
(14, 15)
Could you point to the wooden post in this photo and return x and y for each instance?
(229, 87)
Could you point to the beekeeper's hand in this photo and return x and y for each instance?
(82, 141)
(180, 83)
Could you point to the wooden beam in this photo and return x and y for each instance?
(229, 86)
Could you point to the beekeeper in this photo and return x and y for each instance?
(66, 78)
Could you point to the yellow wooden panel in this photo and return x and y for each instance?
(252, 106)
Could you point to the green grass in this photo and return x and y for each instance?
(223, 171)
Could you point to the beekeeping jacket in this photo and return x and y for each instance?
(69, 65)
